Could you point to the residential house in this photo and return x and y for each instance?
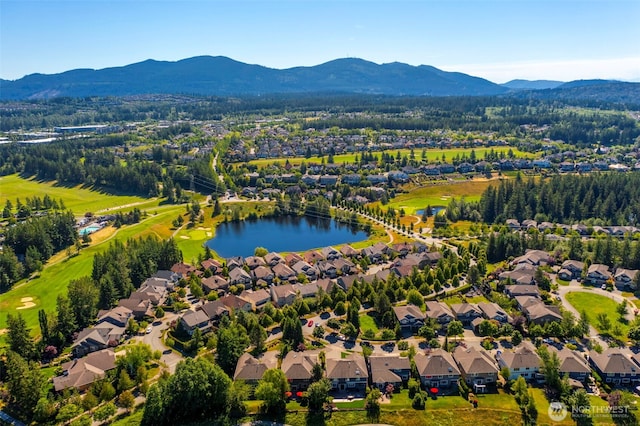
(139, 308)
(598, 274)
(523, 276)
(81, 373)
(410, 317)
(312, 256)
(212, 265)
(284, 272)
(390, 369)
(93, 339)
(192, 320)
(536, 311)
(493, 311)
(523, 362)
(263, 273)
(437, 369)
(292, 258)
(330, 253)
(214, 310)
(215, 283)
(516, 290)
(466, 312)
(254, 261)
(615, 366)
(572, 364)
(534, 258)
(625, 279)
(284, 294)
(298, 369)
(306, 290)
(250, 369)
(439, 311)
(402, 249)
(346, 281)
(258, 298)
(344, 266)
(348, 374)
(513, 224)
(476, 366)
(235, 303)
(235, 262)
(183, 270)
(349, 251)
(304, 268)
(240, 276)
(273, 259)
(571, 269)
(117, 317)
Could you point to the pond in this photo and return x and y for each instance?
(434, 209)
(279, 234)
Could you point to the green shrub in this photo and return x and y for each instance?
(414, 387)
(418, 402)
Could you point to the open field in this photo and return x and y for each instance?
(433, 154)
(439, 194)
(78, 199)
(596, 304)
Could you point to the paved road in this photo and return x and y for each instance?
(154, 339)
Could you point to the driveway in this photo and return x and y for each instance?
(154, 339)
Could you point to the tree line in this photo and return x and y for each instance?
(30, 243)
(600, 198)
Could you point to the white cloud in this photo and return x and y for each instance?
(627, 69)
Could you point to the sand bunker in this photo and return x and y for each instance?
(185, 237)
(2, 331)
(208, 234)
(27, 302)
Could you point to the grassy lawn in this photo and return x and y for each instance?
(562, 282)
(433, 154)
(367, 322)
(359, 403)
(595, 304)
(78, 199)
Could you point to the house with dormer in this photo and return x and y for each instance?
(81, 373)
(625, 279)
(193, 320)
(437, 369)
(298, 369)
(615, 366)
(477, 366)
(250, 369)
(522, 362)
(598, 274)
(347, 374)
(439, 311)
(466, 312)
(410, 317)
(389, 369)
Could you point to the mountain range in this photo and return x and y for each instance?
(222, 76)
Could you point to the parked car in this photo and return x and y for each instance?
(310, 323)
(148, 331)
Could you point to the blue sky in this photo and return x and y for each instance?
(499, 40)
